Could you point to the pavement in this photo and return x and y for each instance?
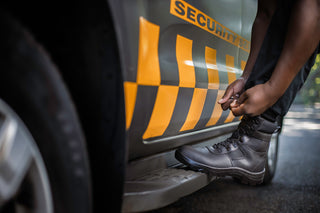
(295, 187)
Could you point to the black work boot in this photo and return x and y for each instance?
(243, 155)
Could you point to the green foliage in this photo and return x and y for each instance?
(310, 92)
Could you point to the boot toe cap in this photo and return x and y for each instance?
(189, 153)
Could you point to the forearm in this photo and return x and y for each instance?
(301, 40)
(265, 12)
(266, 9)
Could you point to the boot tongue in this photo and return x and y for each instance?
(249, 125)
(267, 126)
(236, 134)
(246, 127)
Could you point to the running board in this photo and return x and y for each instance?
(161, 187)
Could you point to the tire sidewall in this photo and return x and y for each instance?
(31, 85)
(270, 171)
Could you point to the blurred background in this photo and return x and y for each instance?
(309, 95)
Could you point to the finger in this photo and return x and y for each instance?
(234, 104)
(238, 111)
(226, 105)
(227, 95)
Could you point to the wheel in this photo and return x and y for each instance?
(93, 48)
(44, 166)
(24, 179)
(271, 162)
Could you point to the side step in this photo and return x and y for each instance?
(160, 188)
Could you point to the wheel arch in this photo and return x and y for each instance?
(81, 40)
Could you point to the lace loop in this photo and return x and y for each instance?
(226, 144)
(247, 126)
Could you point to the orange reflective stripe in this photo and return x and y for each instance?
(148, 61)
(243, 64)
(230, 69)
(229, 118)
(185, 64)
(231, 78)
(130, 94)
(217, 110)
(211, 62)
(162, 111)
(195, 110)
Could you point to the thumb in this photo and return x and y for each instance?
(243, 97)
(237, 111)
(234, 104)
(239, 108)
(227, 95)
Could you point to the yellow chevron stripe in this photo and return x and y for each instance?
(187, 76)
(162, 111)
(148, 73)
(231, 78)
(217, 110)
(195, 110)
(148, 59)
(211, 63)
(230, 69)
(243, 64)
(130, 94)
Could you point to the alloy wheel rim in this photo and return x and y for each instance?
(24, 182)
(272, 152)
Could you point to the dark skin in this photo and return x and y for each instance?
(265, 11)
(301, 40)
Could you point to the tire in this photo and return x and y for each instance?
(271, 163)
(90, 48)
(31, 85)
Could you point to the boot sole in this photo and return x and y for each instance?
(244, 176)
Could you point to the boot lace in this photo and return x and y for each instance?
(247, 126)
(226, 144)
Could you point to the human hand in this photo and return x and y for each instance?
(232, 92)
(255, 100)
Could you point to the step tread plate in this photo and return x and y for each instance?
(161, 187)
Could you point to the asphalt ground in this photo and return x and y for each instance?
(295, 187)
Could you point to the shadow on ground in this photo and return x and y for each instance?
(296, 185)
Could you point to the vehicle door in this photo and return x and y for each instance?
(179, 57)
